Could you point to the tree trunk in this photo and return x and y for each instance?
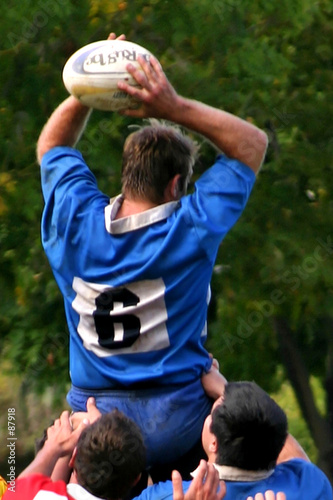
(299, 379)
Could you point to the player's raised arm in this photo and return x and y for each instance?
(64, 126)
(67, 122)
(237, 138)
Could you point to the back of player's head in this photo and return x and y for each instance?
(152, 156)
(249, 426)
(110, 456)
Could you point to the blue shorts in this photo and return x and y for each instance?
(171, 419)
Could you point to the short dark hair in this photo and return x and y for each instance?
(152, 156)
(249, 426)
(110, 456)
(40, 441)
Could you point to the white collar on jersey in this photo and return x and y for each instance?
(227, 473)
(136, 221)
(79, 493)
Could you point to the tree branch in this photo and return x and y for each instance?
(299, 378)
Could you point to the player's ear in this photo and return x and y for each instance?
(213, 445)
(172, 191)
(181, 186)
(72, 459)
(137, 480)
(175, 189)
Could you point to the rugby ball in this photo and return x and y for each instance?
(92, 73)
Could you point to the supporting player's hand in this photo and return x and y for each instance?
(91, 414)
(157, 95)
(269, 495)
(215, 363)
(61, 437)
(205, 486)
(61, 442)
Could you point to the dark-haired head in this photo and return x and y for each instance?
(249, 426)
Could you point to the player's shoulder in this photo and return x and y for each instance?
(299, 464)
(307, 475)
(33, 485)
(227, 173)
(160, 491)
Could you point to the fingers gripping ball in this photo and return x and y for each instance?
(92, 74)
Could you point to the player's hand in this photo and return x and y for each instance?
(61, 438)
(269, 495)
(157, 96)
(205, 486)
(91, 414)
(215, 363)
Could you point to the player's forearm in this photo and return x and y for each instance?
(237, 138)
(64, 127)
(213, 383)
(62, 470)
(43, 463)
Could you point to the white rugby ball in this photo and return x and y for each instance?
(91, 74)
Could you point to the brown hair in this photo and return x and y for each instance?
(110, 456)
(152, 156)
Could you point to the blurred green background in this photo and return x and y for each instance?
(271, 314)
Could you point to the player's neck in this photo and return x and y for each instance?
(132, 207)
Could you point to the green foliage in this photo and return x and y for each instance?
(285, 397)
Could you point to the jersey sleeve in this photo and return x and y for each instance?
(70, 191)
(219, 199)
(63, 169)
(37, 487)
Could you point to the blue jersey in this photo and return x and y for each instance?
(298, 479)
(136, 289)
